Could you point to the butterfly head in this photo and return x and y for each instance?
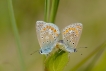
(45, 51)
(40, 51)
(75, 50)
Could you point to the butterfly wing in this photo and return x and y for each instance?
(48, 37)
(71, 35)
(39, 25)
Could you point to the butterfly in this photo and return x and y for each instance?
(47, 34)
(71, 35)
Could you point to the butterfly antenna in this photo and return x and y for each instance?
(79, 48)
(33, 52)
(82, 47)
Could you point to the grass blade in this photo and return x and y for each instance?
(47, 9)
(54, 9)
(92, 63)
(16, 34)
(89, 56)
(57, 61)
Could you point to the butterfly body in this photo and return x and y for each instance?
(67, 48)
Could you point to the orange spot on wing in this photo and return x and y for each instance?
(78, 27)
(63, 32)
(50, 27)
(71, 29)
(44, 29)
(74, 29)
(47, 26)
(55, 30)
(66, 31)
(56, 35)
(76, 32)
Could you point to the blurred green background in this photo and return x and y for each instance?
(91, 13)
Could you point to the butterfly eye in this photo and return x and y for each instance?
(73, 43)
(40, 51)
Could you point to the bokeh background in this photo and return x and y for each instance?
(91, 13)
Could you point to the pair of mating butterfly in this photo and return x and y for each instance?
(48, 36)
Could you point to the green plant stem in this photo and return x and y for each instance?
(93, 62)
(54, 9)
(89, 56)
(47, 9)
(46, 17)
(16, 35)
(50, 18)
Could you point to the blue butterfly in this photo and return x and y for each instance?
(47, 34)
(71, 35)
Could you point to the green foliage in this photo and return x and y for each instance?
(47, 10)
(16, 35)
(90, 13)
(96, 51)
(56, 61)
(52, 11)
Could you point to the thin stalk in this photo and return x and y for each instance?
(93, 62)
(54, 9)
(89, 56)
(16, 35)
(47, 9)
